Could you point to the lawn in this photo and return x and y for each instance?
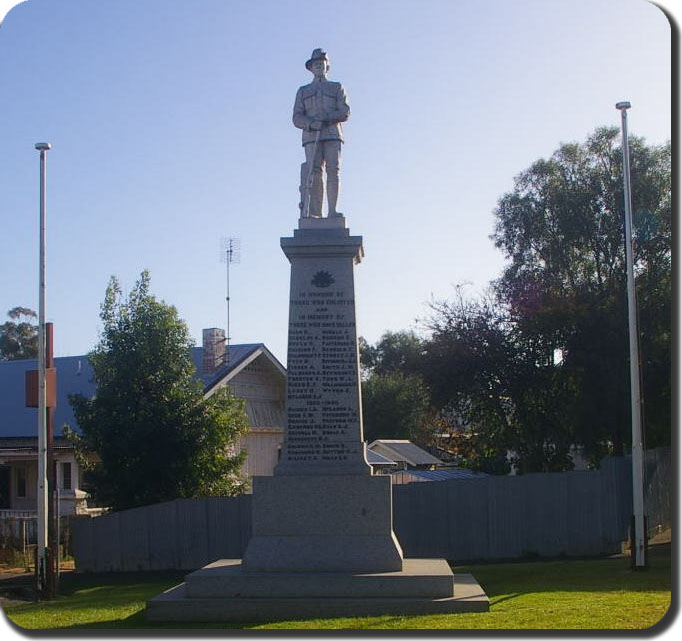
(564, 594)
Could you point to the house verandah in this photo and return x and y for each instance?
(19, 477)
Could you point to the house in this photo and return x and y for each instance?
(404, 453)
(251, 372)
(255, 375)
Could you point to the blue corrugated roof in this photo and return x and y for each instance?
(74, 376)
(446, 474)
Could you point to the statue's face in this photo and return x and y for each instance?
(318, 68)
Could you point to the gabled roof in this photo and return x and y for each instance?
(74, 376)
(404, 450)
(240, 357)
(374, 458)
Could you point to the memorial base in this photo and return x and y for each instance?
(225, 591)
(322, 524)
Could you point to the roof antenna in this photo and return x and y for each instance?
(229, 253)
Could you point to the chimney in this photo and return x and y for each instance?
(213, 353)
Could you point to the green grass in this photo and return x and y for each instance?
(570, 594)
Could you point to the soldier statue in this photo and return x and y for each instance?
(319, 110)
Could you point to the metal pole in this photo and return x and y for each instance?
(635, 395)
(227, 336)
(50, 465)
(58, 536)
(42, 498)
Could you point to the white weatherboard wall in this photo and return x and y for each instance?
(261, 386)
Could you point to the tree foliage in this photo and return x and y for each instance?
(501, 395)
(19, 336)
(540, 363)
(154, 435)
(562, 227)
(394, 352)
(396, 405)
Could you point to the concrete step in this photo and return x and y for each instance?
(176, 605)
(425, 578)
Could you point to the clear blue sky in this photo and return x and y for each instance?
(171, 127)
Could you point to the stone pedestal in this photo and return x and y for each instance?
(324, 416)
(322, 539)
(322, 524)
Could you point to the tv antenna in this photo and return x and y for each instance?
(229, 253)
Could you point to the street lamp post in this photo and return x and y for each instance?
(639, 538)
(42, 498)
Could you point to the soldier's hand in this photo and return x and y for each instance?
(316, 125)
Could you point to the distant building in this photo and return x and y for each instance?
(446, 474)
(405, 454)
(251, 372)
(380, 464)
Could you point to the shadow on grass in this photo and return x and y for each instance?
(138, 621)
(593, 575)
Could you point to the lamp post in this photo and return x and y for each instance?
(42, 498)
(639, 538)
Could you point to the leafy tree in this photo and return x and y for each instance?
(540, 363)
(396, 405)
(502, 398)
(466, 445)
(394, 352)
(153, 435)
(19, 338)
(562, 229)
(395, 400)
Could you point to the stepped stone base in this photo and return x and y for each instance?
(224, 591)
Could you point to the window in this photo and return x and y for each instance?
(66, 476)
(21, 482)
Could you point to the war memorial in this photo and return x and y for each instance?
(322, 535)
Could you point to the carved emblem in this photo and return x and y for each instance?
(322, 279)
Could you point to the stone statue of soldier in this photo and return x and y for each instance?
(319, 110)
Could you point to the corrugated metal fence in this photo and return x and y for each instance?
(182, 534)
(571, 513)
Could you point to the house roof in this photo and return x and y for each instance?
(374, 458)
(240, 357)
(404, 450)
(74, 376)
